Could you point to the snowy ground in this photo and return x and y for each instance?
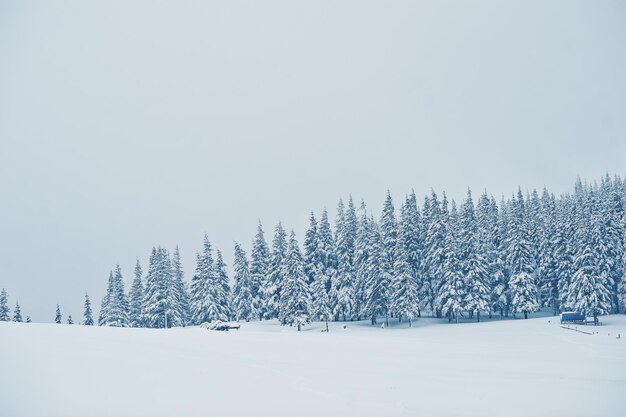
(526, 367)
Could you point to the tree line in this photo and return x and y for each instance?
(439, 258)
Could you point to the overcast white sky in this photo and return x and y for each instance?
(128, 124)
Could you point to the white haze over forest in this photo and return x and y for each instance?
(125, 125)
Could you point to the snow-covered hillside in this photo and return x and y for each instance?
(513, 368)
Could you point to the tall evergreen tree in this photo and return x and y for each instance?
(473, 261)
(311, 252)
(209, 296)
(434, 252)
(135, 311)
(178, 292)
(223, 287)
(4, 306)
(87, 312)
(58, 319)
(520, 258)
(346, 236)
(272, 286)
(17, 313)
(259, 268)
(296, 299)
(243, 302)
(452, 292)
(159, 306)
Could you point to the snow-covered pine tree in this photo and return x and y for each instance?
(28, 320)
(327, 257)
(4, 306)
(404, 302)
(87, 312)
(17, 313)
(177, 293)
(434, 255)
(114, 309)
(158, 308)
(259, 268)
(473, 261)
(209, 300)
(318, 283)
(243, 303)
(135, 311)
(362, 252)
(589, 291)
(223, 286)
(105, 305)
(410, 230)
(520, 259)
(562, 242)
(333, 291)
(69, 319)
(58, 319)
(452, 292)
(376, 282)
(611, 210)
(500, 299)
(296, 297)
(548, 271)
(346, 236)
(311, 252)
(273, 284)
(389, 241)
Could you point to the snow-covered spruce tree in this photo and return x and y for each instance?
(296, 299)
(435, 220)
(327, 258)
(160, 310)
(346, 236)
(562, 242)
(179, 292)
(452, 292)
(589, 291)
(611, 212)
(311, 252)
(135, 311)
(243, 303)
(473, 261)
(548, 271)
(500, 275)
(209, 299)
(69, 319)
(319, 282)
(522, 282)
(223, 286)
(404, 287)
(259, 269)
(58, 319)
(103, 316)
(17, 313)
(28, 320)
(389, 242)
(412, 235)
(4, 306)
(273, 284)
(114, 308)
(87, 312)
(404, 302)
(362, 252)
(375, 287)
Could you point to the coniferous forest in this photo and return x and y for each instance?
(428, 257)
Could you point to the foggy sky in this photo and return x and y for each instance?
(125, 125)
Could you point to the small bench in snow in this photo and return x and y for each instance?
(220, 326)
